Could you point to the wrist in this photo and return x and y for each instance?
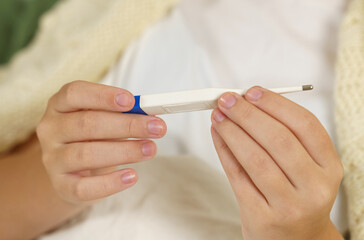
(329, 233)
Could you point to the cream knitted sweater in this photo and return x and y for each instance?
(349, 95)
(82, 39)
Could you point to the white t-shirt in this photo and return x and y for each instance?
(232, 44)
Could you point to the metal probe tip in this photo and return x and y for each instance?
(307, 87)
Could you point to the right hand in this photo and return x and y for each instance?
(84, 137)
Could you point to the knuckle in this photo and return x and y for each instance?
(81, 192)
(70, 90)
(224, 147)
(69, 155)
(106, 97)
(45, 135)
(246, 110)
(336, 173)
(127, 153)
(271, 220)
(42, 128)
(258, 160)
(324, 196)
(78, 192)
(85, 192)
(340, 171)
(47, 160)
(102, 97)
(87, 123)
(83, 155)
(237, 172)
(106, 187)
(309, 121)
(283, 140)
(132, 123)
(293, 215)
(52, 100)
(290, 215)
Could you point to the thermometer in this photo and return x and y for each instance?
(191, 100)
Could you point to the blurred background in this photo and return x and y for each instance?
(18, 24)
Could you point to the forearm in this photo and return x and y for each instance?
(29, 205)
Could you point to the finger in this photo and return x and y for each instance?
(261, 168)
(92, 188)
(245, 190)
(94, 155)
(299, 120)
(79, 95)
(97, 125)
(277, 140)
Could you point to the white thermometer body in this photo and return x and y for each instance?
(191, 100)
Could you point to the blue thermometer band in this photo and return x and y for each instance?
(137, 109)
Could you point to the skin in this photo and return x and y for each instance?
(279, 159)
(281, 163)
(82, 137)
(23, 176)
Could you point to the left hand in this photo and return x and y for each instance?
(281, 163)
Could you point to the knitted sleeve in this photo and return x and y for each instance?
(349, 95)
(76, 40)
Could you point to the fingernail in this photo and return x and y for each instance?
(227, 100)
(148, 149)
(218, 116)
(155, 127)
(128, 177)
(254, 94)
(124, 99)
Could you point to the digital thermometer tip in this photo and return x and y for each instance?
(307, 87)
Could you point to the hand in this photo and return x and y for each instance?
(281, 163)
(84, 136)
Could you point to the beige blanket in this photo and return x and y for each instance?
(176, 198)
(77, 40)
